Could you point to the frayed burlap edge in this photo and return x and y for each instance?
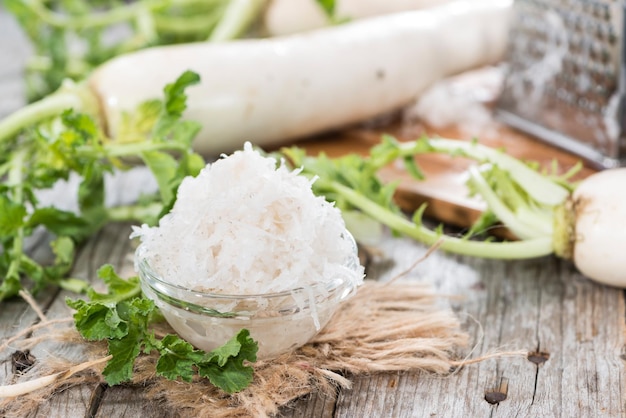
(384, 327)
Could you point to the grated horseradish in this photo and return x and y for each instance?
(249, 226)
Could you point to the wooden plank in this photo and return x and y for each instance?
(73, 402)
(129, 402)
(14, 316)
(313, 405)
(530, 305)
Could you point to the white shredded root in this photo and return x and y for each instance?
(246, 225)
(22, 388)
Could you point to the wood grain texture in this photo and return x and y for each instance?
(575, 327)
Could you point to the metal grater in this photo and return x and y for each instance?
(566, 79)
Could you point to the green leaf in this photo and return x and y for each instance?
(124, 352)
(97, 321)
(164, 168)
(91, 199)
(169, 126)
(137, 125)
(137, 310)
(136, 313)
(119, 289)
(175, 97)
(9, 287)
(413, 169)
(177, 358)
(64, 249)
(109, 315)
(224, 366)
(83, 125)
(485, 221)
(60, 222)
(328, 6)
(190, 165)
(11, 217)
(418, 215)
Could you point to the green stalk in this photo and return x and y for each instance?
(70, 95)
(522, 229)
(540, 188)
(137, 213)
(236, 19)
(15, 182)
(564, 230)
(128, 13)
(96, 20)
(74, 285)
(531, 248)
(116, 150)
(185, 24)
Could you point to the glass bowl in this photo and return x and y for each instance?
(279, 322)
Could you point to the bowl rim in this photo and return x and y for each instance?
(144, 267)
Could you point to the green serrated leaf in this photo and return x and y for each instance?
(60, 222)
(91, 194)
(124, 352)
(175, 97)
(164, 167)
(11, 217)
(169, 125)
(142, 309)
(64, 250)
(190, 165)
(224, 367)
(119, 289)
(97, 321)
(82, 125)
(177, 358)
(9, 287)
(136, 126)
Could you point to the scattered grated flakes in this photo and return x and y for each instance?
(246, 225)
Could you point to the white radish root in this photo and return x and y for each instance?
(600, 227)
(284, 17)
(275, 90)
(22, 388)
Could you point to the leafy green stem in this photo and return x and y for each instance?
(185, 24)
(237, 18)
(134, 212)
(15, 182)
(541, 188)
(70, 95)
(116, 150)
(113, 16)
(74, 285)
(498, 250)
(534, 227)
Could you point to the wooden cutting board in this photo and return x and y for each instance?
(444, 189)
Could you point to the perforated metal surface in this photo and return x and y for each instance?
(563, 77)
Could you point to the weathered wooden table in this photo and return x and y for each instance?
(542, 306)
